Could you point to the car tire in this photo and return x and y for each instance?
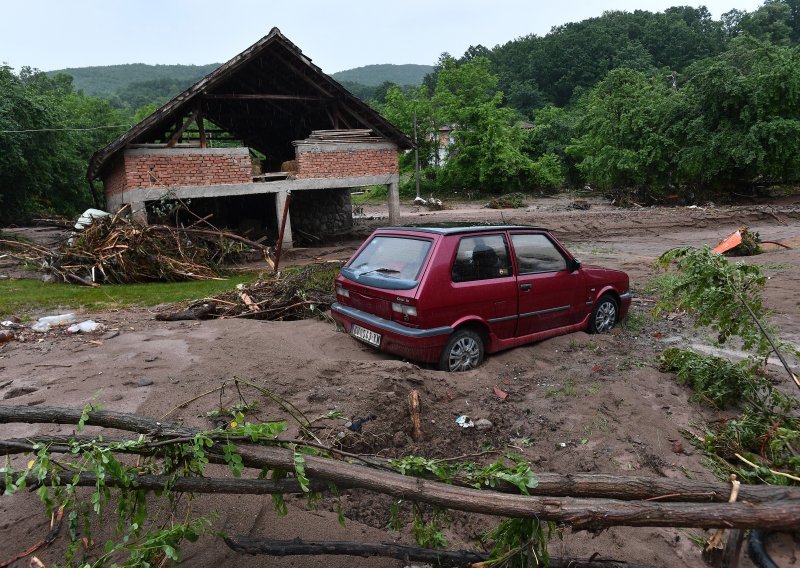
(604, 315)
(463, 352)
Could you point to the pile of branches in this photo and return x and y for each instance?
(119, 250)
(294, 294)
(507, 201)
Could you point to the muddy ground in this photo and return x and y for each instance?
(576, 403)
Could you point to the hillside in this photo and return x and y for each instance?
(112, 79)
(374, 75)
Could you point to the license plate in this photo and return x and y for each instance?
(366, 335)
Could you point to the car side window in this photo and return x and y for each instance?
(481, 258)
(536, 253)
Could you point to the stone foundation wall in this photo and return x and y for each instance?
(321, 212)
(168, 167)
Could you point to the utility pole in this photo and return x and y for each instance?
(416, 153)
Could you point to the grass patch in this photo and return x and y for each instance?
(372, 195)
(661, 283)
(635, 322)
(567, 390)
(23, 298)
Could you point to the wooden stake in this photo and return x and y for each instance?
(414, 410)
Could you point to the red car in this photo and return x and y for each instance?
(450, 295)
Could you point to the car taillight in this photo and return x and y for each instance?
(404, 313)
(340, 291)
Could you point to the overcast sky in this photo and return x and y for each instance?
(335, 34)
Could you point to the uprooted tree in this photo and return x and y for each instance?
(727, 298)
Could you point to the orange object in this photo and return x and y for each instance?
(730, 242)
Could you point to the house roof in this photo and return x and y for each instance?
(267, 96)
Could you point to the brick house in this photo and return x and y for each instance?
(263, 126)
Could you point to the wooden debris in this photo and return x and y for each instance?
(291, 295)
(714, 549)
(198, 312)
(119, 250)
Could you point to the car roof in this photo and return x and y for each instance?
(455, 229)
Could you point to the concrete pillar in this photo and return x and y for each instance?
(394, 201)
(280, 203)
(138, 212)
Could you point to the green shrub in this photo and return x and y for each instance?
(714, 380)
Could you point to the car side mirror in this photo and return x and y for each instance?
(574, 264)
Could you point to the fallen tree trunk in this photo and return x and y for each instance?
(215, 485)
(578, 513)
(297, 547)
(603, 486)
(550, 484)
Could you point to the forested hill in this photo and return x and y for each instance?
(374, 75)
(661, 105)
(111, 79)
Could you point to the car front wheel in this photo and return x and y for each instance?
(464, 351)
(604, 315)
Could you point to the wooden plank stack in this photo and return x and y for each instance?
(345, 136)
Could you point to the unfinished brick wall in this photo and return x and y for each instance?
(177, 167)
(345, 160)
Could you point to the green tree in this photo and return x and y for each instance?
(47, 134)
(771, 22)
(743, 119)
(487, 151)
(622, 138)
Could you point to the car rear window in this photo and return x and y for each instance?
(389, 262)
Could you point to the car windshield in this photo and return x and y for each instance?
(391, 257)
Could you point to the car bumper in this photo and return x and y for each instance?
(412, 343)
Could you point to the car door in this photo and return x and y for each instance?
(483, 283)
(549, 292)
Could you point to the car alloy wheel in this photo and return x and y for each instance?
(605, 315)
(463, 352)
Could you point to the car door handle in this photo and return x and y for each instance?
(524, 286)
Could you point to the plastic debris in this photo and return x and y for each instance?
(48, 322)
(357, 423)
(88, 326)
(730, 242)
(465, 422)
(88, 216)
(6, 336)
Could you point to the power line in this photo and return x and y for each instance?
(64, 129)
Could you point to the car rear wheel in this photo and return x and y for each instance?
(464, 351)
(604, 315)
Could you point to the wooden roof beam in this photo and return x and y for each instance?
(265, 97)
(179, 132)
